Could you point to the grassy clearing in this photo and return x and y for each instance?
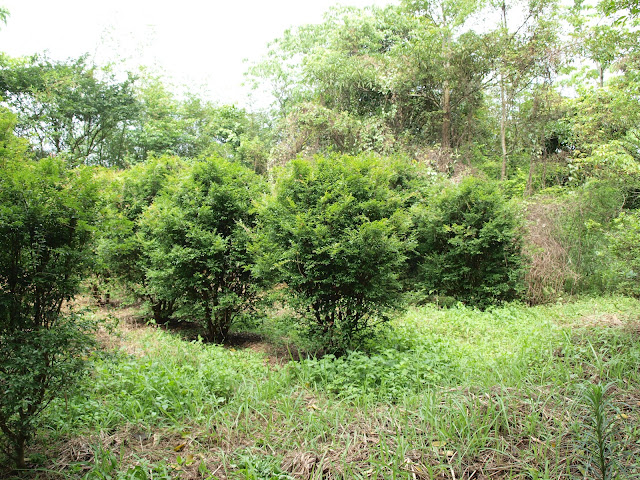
(457, 393)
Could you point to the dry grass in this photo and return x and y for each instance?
(549, 267)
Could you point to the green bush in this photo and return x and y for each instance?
(468, 245)
(121, 257)
(195, 236)
(46, 213)
(624, 240)
(332, 232)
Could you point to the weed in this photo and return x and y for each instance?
(388, 374)
(445, 392)
(108, 466)
(259, 467)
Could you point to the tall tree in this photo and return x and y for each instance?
(445, 21)
(73, 108)
(527, 53)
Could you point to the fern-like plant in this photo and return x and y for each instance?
(599, 441)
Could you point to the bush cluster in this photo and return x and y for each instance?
(343, 238)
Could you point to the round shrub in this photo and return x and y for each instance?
(196, 236)
(332, 234)
(469, 245)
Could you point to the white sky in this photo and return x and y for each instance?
(199, 43)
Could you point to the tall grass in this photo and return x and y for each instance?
(443, 393)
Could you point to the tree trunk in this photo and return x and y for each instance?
(446, 94)
(20, 447)
(446, 121)
(503, 102)
(503, 128)
(535, 147)
(601, 75)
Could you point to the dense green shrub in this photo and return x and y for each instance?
(468, 245)
(196, 235)
(45, 216)
(333, 234)
(624, 240)
(121, 257)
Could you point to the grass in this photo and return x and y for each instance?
(444, 394)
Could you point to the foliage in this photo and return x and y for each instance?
(332, 232)
(121, 256)
(71, 107)
(469, 245)
(387, 374)
(586, 217)
(311, 129)
(191, 127)
(378, 74)
(509, 364)
(253, 467)
(106, 466)
(624, 240)
(600, 434)
(45, 216)
(174, 382)
(196, 236)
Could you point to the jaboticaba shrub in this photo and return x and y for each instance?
(195, 235)
(332, 233)
(469, 244)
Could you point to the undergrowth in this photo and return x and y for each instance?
(443, 393)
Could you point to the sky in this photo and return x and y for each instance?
(199, 44)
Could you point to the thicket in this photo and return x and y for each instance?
(346, 239)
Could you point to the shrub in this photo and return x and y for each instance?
(624, 240)
(120, 253)
(469, 245)
(332, 234)
(45, 216)
(196, 235)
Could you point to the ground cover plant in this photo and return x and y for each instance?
(496, 394)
